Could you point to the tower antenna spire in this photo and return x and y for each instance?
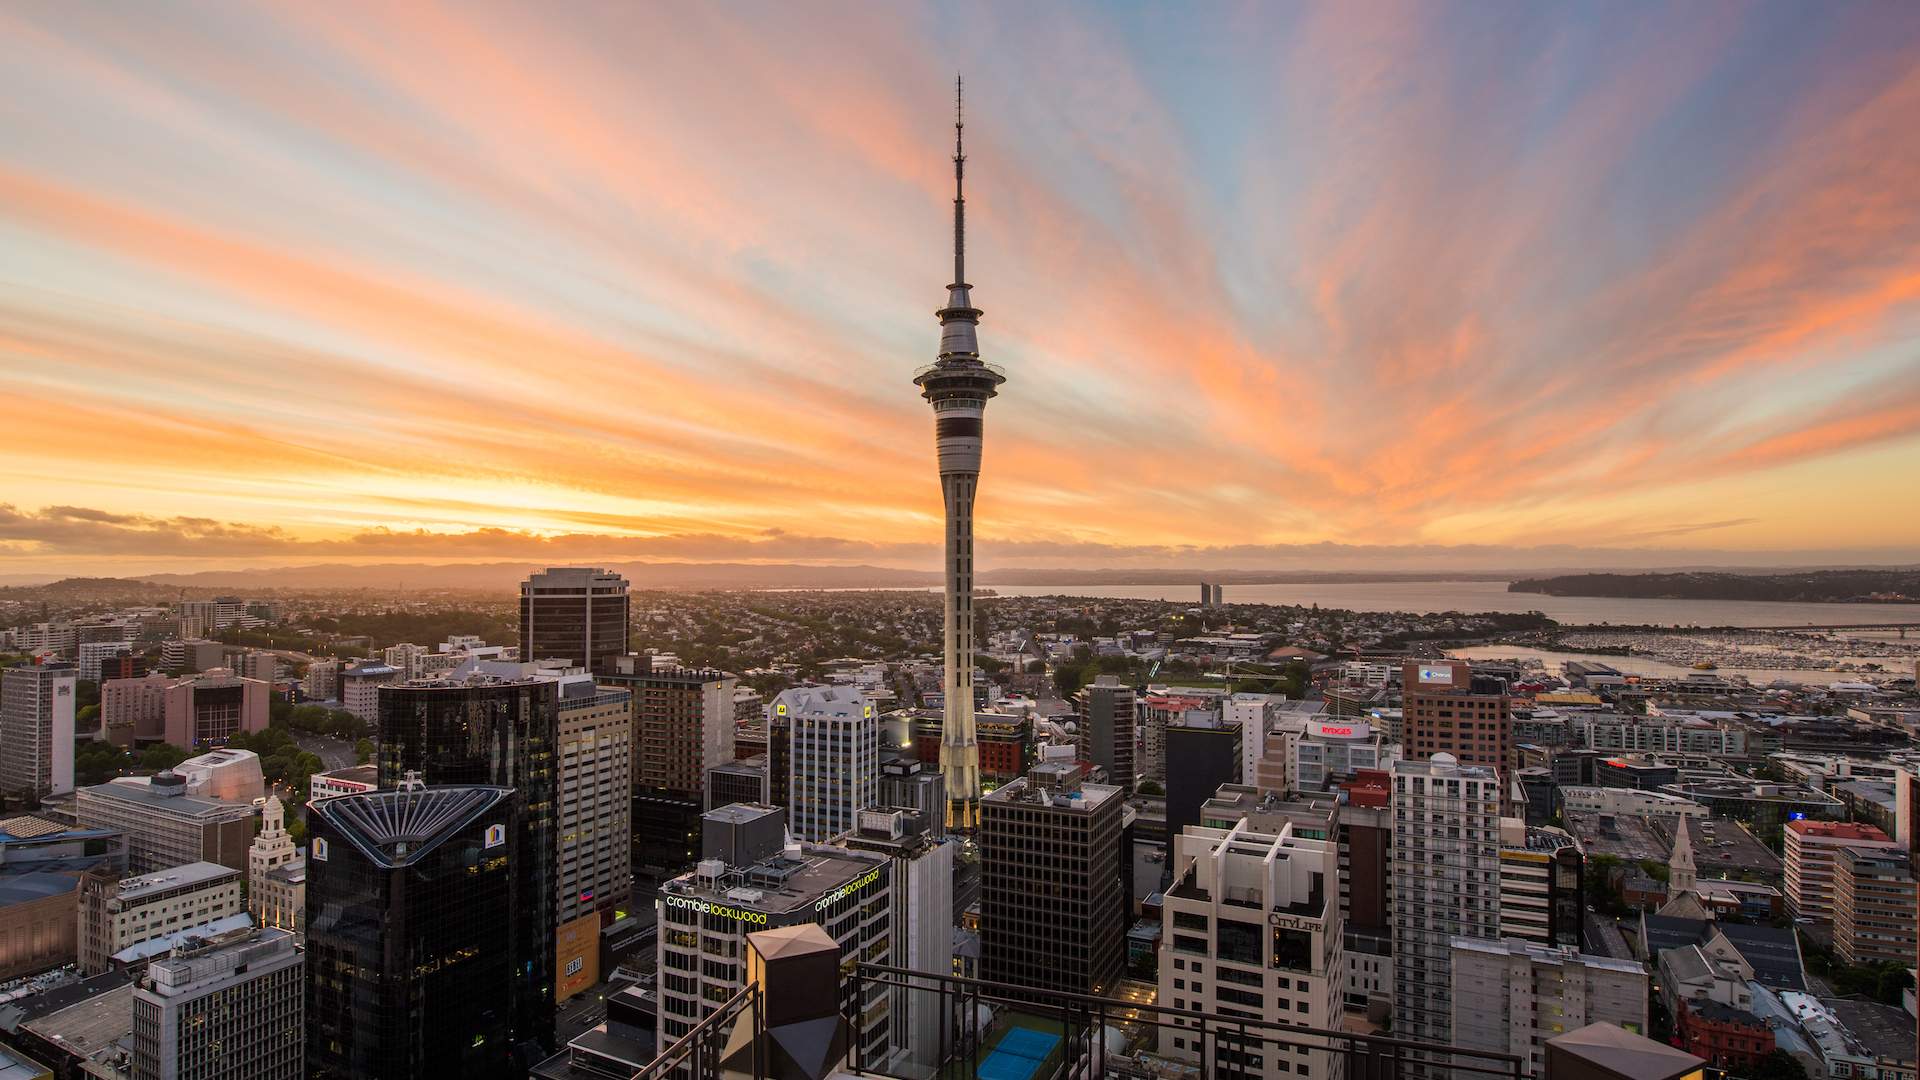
(959, 196)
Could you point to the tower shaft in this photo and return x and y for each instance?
(958, 386)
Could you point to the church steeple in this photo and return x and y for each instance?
(1682, 875)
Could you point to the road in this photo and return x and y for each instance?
(334, 753)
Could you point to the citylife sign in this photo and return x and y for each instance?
(758, 918)
(847, 890)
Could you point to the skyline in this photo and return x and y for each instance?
(1436, 285)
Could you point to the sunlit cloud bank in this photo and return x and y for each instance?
(1460, 285)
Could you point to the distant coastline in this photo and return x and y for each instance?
(1807, 587)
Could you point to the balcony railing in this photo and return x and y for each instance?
(1073, 1028)
(696, 1055)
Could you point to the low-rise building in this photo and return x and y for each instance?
(1511, 996)
(351, 780)
(165, 826)
(117, 912)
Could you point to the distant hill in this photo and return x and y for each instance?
(1816, 586)
(506, 576)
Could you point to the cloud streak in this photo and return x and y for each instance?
(1346, 274)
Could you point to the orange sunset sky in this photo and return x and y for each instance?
(1321, 286)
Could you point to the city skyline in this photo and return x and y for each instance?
(1325, 287)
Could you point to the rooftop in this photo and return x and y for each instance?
(1837, 830)
(780, 884)
(176, 877)
(1547, 954)
(168, 799)
(1882, 1030)
(394, 828)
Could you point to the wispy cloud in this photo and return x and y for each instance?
(467, 279)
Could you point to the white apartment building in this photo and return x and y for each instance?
(922, 898)
(36, 730)
(1332, 749)
(1251, 927)
(1254, 713)
(360, 689)
(1446, 884)
(323, 680)
(1511, 996)
(835, 756)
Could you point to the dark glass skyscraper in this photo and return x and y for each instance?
(412, 901)
(574, 613)
(482, 729)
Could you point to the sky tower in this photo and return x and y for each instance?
(958, 385)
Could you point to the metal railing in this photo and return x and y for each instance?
(1216, 1045)
(696, 1055)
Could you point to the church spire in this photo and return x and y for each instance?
(959, 196)
(1682, 874)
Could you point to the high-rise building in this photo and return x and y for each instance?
(1447, 709)
(1108, 715)
(360, 689)
(682, 723)
(1811, 847)
(1048, 835)
(958, 385)
(1873, 906)
(749, 879)
(1511, 996)
(481, 729)
(1252, 928)
(116, 912)
(574, 613)
(414, 963)
(322, 681)
(211, 707)
(909, 783)
(594, 873)
(1203, 752)
(1446, 883)
(835, 755)
(1365, 829)
(276, 873)
(1542, 890)
(922, 899)
(223, 1007)
(36, 730)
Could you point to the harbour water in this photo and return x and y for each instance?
(1474, 596)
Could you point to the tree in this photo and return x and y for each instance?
(96, 761)
(1777, 1065)
(87, 719)
(1068, 678)
(162, 756)
(1149, 787)
(363, 751)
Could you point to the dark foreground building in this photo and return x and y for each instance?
(411, 901)
(1052, 906)
(482, 729)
